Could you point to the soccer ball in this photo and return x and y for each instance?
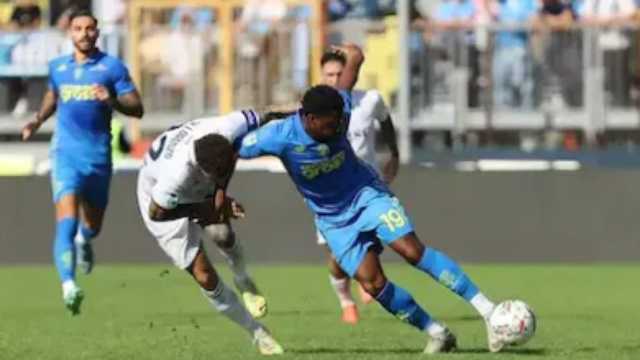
(513, 322)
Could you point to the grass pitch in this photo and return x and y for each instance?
(157, 312)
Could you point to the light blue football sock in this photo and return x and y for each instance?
(447, 272)
(401, 304)
(63, 248)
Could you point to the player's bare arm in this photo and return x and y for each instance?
(128, 104)
(48, 108)
(390, 170)
(355, 58)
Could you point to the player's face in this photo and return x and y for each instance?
(324, 128)
(331, 72)
(84, 33)
(220, 170)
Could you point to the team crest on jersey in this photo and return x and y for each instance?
(99, 67)
(299, 149)
(250, 139)
(323, 149)
(62, 68)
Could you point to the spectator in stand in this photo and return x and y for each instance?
(561, 54)
(26, 16)
(609, 14)
(512, 68)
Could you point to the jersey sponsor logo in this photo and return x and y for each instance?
(323, 149)
(76, 93)
(299, 149)
(311, 171)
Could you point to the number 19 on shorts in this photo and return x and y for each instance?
(394, 219)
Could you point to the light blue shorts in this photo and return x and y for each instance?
(91, 182)
(374, 216)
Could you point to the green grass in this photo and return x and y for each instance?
(145, 312)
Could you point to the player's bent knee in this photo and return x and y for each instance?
(222, 235)
(206, 278)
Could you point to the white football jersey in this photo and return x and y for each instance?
(368, 107)
(170, 172)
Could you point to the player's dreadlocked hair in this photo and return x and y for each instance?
(336, 56)
(214, 154)
(322, 100)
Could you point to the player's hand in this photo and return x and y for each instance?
(390, 170)
(350, 50)
(232, 209)
(29, 129)
(101, 93)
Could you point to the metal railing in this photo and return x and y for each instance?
(526, 79)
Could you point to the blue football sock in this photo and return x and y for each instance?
(447, 272)
(63, 248)
(401, 304)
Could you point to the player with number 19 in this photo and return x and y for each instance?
(355, 211)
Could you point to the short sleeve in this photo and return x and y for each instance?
(53, 86)
(380, 111)
(267, 140)
(122, 83)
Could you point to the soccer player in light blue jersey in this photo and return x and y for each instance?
(84, 87)
(354, 210)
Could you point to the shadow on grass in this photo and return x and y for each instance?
(329, 350)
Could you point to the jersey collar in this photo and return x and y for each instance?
(306, 138)
(94, 58)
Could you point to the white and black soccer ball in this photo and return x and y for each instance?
(513, 322)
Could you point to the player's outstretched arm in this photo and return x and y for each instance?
(129, 104)
(390, 170)
(355, 58)
(47, 108)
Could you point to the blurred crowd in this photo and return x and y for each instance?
(517, 46)
(538, 35)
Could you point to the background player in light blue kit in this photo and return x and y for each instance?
(84, 87)
(353, 208)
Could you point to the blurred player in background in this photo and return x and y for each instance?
(84, 87)
(368, 108)
(355, 211)
(182, 198)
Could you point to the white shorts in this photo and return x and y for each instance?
(179, 239)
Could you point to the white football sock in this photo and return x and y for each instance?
(435, 329)
(342, 288)
(483, 305)
(226, 302)
(235, 259)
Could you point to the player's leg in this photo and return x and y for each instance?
(92, 210)
(66, 184)
(443, 269)
(448, 273)
(63, 250)
(231, 249)
(180, 240)
(341, 285)
(401, 304)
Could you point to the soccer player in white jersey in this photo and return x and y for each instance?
(182, 192)
(368, 108)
